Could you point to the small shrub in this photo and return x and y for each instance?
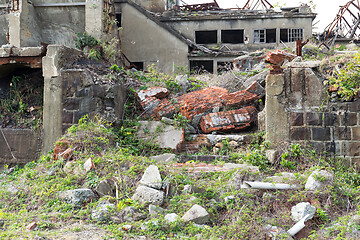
(84, 39)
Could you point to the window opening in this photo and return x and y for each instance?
(206, 37)
(200, 66)
(232, 36)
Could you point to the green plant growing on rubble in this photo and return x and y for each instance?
(180, 120)
(84, 39)
(348, 79)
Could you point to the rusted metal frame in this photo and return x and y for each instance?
(246, 4)
(357, 6)
(270, 6)
(33, 62)
(338, 19)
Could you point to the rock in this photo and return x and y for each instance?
(164, 158)
(284, 177)
(171, 217)
(243, 174)
(233, 144)
(302, 209)
(52, 171)
(145, 194)
(189, 129)
(229, 198)
(12, 189)
(192, 199)
(308, 64)
(155, 210)
(152, 222)
(77, 197)
(157, 92)
(196, 214)
(240, 139)
(127, 214)
(189, 189)
(31, 226)
(168, 121)
(182, 80)
(243, 166)
(275, 233)
(69, 166)
(318, 180)
(272, 155)
(88, 165)
(126, 228)
(102, 211)
(261, 120)
(165, 135)
(151, 177)
(219, 145)
(104, 188)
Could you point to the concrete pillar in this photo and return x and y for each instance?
(24, 30)
(276, 123)
(94, 24)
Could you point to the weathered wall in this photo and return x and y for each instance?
(187, 27)
(3, 22)
(297, 111)
(145, 41)
(70, 94)
(152, 5)
(25, 145)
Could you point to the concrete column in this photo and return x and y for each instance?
(24, 30)
(276, 123)
(94, 12)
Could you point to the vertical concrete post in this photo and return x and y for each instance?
(52, 112)
(276, 123)
(23, 25)
(94, 13)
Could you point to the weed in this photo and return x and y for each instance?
(84, 39)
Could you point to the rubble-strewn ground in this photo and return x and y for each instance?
(100, 179)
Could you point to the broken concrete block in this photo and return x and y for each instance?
(145, 194)
(157, 92)
(164, 158)
(149, 104)
(240, 139)
(278, 57)
(260, 78)
(196, 214)
(239, 99)
(308, 64)
(261, 120)
(27, 51)
(195, 143)
(5, 52)
(151, 177)
(165, 135)
(192, 189)
(229, 121)
(104, 188)
(318, 180)
(246, 62)
(272, 155)
(256, 89)
(302, 209)
(88, 165)
(164, 109)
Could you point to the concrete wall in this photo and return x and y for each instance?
(153, 5)
(3, 22)
(296, 111)
(25, 144)
(187, 27)
(145, 41)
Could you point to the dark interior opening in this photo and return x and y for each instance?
(224, 67)
(271, 35)
(139, 65)
(202, 66)
(119, 19)
(206, 37)
(232, 36)
(284, 35)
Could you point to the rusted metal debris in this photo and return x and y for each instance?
(276, 59)
(255, 4)
(33, 62)
(198, 7)
(345, 24)
(299, 45)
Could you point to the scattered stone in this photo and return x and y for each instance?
(318, 180)
(145, 194)
(104, 188)
(88, 165)
(155, 210)
(284, 177)
(308, 64)
(69, 167)
(233, 144)
(151, 177)
(152, 222)
(192, 199)
(239, 138)
(164, 158)
(272, 155)
(189, 129)
(302, 209)
(196, 214)
(219, 145)
(126, 228)
(171, 217)
(31, 226)
(182, 80)
(229, 198)
(12, 189)
(157, 92)
(260, 78)
(275, 233)
(102, 211)
(243, 174)
(127, 214)
(165, 135)
(52, 171)
(189, 189)
(77, 197)
(244, 166)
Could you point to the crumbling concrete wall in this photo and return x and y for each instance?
(153, 5)
(3, 22)
(143, 40)
(297, 111)
(72, 93)
(25, 145)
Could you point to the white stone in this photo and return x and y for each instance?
(302, 209)
(171, 217)
(145, 194)
(229, 198)
(318, 180)
(151, 177)
(196, 214)
(272, 155)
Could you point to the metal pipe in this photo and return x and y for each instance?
(268, 186)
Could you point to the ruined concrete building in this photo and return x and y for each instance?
(157, 31)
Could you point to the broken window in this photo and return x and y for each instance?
(202, 66)
(291, 34)
(206, 37)
(118, 19)
(232, 36)
(265, 35)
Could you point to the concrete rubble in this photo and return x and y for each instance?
(196, 214)
(301, 210)
(318, 180)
